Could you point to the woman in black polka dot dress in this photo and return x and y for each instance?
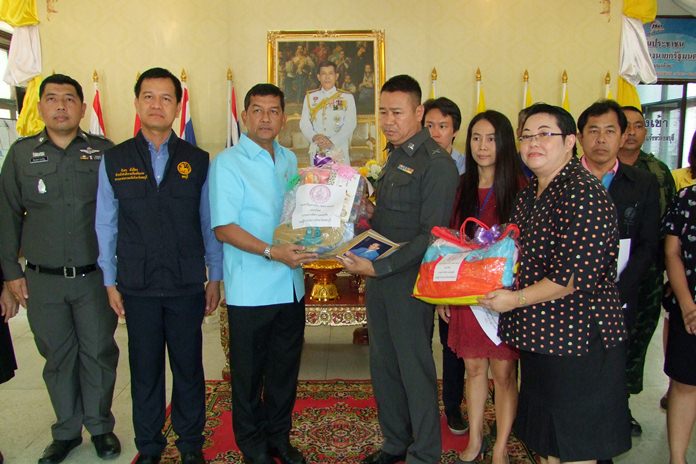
(680, 355)
(565, 317)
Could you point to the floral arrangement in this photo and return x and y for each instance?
(371, 171)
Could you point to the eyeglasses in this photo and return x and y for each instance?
(540, 137)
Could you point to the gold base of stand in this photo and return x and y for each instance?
(324, 273)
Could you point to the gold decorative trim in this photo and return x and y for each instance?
(375, 36)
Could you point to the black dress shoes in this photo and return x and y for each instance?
(455, 423)
(380, 457)
(288, 454)
(192, 457)
(147, 459)
(58, 450)
(107, 445)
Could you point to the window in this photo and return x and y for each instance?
(8, 99)
(670, 117)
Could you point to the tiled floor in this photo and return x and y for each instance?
(26, 414)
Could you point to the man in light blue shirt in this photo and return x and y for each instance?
(155, 239)
(264, 285)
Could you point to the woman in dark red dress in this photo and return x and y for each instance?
(492, 179)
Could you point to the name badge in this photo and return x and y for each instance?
(405, 169)
(38, 157)
(90, 154)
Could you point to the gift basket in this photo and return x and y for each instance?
(321, 208)
(459, 270)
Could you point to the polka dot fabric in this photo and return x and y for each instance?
(680, 220)
(569, 232)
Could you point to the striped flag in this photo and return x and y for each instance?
(232, 120)
(607, 87)
(480, 97)
(526, 91)
(433, 84)
(136, 124)
(186, 125)
(565, 102)
(96, 118)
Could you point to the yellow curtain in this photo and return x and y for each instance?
(18, 13)
(29, 122)
(627, 94)
(645, 10)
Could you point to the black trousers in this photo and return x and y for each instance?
(175, 323)
(452, 373)
(265, 350)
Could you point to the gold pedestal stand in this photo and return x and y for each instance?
(324, 273)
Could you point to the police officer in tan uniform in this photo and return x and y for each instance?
(47, 210)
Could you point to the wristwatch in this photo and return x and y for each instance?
(267, 253)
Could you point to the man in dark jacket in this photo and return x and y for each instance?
(634, 192)
(153, 226)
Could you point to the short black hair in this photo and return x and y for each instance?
(633, 108)
(564, 119)
(62, 79)
(264, 89)
(601, 107)
(446, 107)
(403, 83)
(326, 64)
(159, 73)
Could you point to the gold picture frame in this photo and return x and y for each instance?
(292, 60)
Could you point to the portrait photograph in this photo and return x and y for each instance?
(370, 245)
(342, 106)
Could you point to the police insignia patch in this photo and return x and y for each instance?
(184, 169)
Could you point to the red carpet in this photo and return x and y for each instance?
(334, 421)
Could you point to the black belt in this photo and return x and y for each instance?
(67, 272)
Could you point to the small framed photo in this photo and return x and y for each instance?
(370, 245)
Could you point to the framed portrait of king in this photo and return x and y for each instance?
(331, 82)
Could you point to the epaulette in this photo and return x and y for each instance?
(313, 90)
(26, 137)
(434, 149)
